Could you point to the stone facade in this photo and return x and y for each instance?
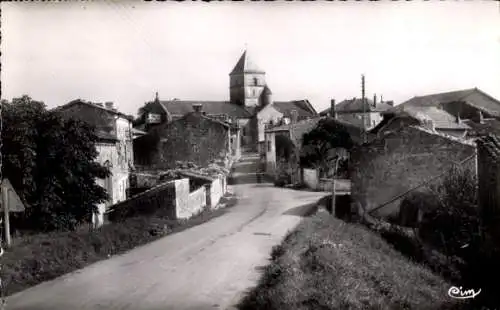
(489, 180)
(399, 161)
(270, 153)
(246, 82)
(193, 138)
(251, 106)
(115, 147)
(267, 115)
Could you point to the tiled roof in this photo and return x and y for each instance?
(95, 106)
(303, 108)
(298, 129)
(489, 126)
(355, 105)
(227, 125)
(101, 118)
(246, 65)
(440, 118)
(181, 107)
(473, 96)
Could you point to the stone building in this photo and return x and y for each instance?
(352, 111)
(283, 145)
(251, 106)
(195, 138)
(399, 160)
(464, 113)
(115, 149)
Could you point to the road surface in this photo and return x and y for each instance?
(209, 266)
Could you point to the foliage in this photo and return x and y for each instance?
(317, 144)
(50, 161)
(284, 147)
(43, 257)
(454, 224)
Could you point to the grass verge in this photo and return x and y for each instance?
(330, 264)
(39, 258)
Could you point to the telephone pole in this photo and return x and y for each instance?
(364, 107)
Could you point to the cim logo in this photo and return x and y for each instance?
(457, 293)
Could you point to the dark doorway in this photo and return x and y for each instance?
(343, 206)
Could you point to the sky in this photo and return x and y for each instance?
(126, 51)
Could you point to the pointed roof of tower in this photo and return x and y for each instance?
(246, 65)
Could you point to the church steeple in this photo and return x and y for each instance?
(246, 82)
(246, 65)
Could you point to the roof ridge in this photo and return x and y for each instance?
(447, 92)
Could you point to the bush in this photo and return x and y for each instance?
(454, 223)
(50, 161)
(453, 227)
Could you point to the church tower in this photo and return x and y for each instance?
(246, 82)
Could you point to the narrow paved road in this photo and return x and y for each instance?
(208, 266)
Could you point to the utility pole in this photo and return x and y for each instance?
(6, 220)
(364, 107)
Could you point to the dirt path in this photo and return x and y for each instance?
(205, 267)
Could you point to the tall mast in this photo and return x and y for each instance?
(364, 106)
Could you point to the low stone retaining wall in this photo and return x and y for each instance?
(197, 200)
(173, 196)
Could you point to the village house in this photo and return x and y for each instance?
(114, 146)
(403, 157)
(284, 145)
(194, 137)
(251, 106)
(462, 114)
(352, 111)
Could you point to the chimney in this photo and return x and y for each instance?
(374, 100)
(480, 118)
(294, 116)
(457, 119)
(332, 109)
(197, 107)
(381, 99)
(109, 105)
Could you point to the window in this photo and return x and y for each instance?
(269, 146)
(255, 82)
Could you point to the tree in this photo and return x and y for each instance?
(317, 144)
(50, 161)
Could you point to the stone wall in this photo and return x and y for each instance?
(195, 203)
(270, 154)
(164, 196)
(400, 161)
(310, 178)
(489, 179)
(215, 190)
(192, 138)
